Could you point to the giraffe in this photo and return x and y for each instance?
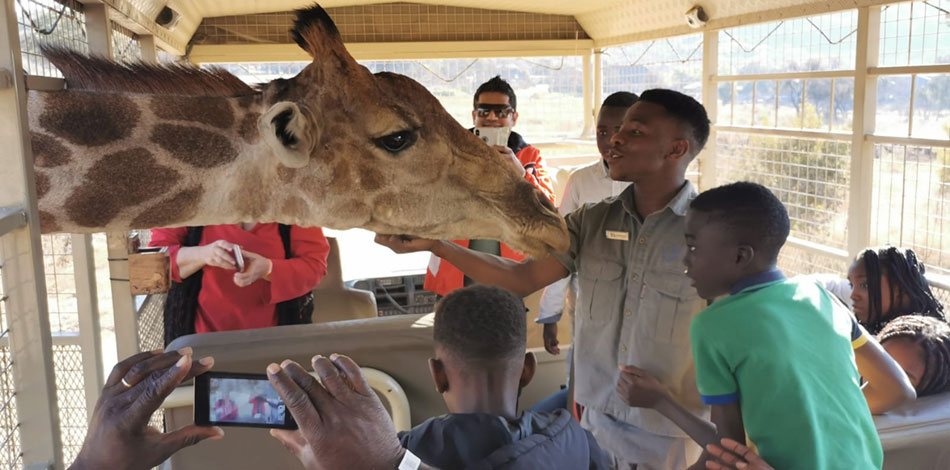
(141, 146)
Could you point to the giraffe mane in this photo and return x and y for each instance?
(92, 73)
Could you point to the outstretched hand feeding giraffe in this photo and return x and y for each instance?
(335, 146)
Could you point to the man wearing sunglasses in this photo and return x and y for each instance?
(495, 105)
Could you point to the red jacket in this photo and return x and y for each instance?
(222, 305)
(442, 277)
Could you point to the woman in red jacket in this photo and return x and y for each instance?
(277, 268)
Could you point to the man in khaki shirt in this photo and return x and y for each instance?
(634, 303)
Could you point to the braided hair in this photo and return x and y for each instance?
(933, 337)
(905, 275)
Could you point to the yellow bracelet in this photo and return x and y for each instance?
(270, 269)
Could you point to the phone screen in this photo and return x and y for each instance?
(231, 399)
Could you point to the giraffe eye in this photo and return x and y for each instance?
(397, 141)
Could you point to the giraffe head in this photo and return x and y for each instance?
(407, 165)
(335, 146)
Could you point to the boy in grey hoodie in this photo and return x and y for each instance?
(480, 367)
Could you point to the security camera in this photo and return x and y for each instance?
(167, 18)
(696, 17)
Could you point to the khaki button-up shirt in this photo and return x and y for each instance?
(634, 304)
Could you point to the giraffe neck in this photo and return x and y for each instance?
(114, 161)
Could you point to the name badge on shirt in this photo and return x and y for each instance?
(622, 236)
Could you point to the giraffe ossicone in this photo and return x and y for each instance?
(141, 146)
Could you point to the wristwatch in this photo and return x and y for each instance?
(409, 462)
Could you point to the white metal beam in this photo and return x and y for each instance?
(782, 76)
(223, 53)
(23, 279)
(708, 177)
(862, 150)
(794, 133)
(589, 116)
(598, 81)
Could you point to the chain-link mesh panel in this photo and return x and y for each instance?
(59, 22)
(549, 89)
(10, 453)
(795, 260)
(910, 202)
(151, 323)
(71, 396)
(125, 44)
(674, 63)
(825, 42)
(60, 283)
(809, 175)
(915, 33)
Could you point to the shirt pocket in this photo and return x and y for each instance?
(601, 290)
(667, 307)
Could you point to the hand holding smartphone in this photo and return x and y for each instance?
(239, 258)
(232, 399)
(493, 135)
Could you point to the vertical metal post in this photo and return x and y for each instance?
(90, 340)
(98, 28)
(149, 52)
(708, 167)
(588, 92)
(598, 80)
(126, 330)
(23, 278)
(862, 150)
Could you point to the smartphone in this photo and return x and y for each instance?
(232, 399)
(493, 135)
(239, 258)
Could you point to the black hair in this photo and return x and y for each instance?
(685, 110)
(753, 214)
(933, 336)
(481, 324)
(496, 85)
(620, 99)
(906, 276)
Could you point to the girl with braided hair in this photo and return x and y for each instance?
(921, 345)
(888, 283)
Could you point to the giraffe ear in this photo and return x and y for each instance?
(289, 133)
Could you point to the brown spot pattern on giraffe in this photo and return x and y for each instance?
(245, 102)
(194, 146)
(294, 206)
(211, 110)
(371, 179)
(178, 208)
(118, 180)
(248, 128)
(247, 195)
(90, 119)
(48, 152)
(48, 223)
(286, 174)
(42, 185)
(340, 179)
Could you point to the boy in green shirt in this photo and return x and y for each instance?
(774, 359)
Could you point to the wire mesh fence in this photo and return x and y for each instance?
(53, 22)
(811, 176)
(11, 456)
(825, 42)
(125, 45)
(910, 204)
(915, 33)
(549, 89)
(675, 63)
(71, 397)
